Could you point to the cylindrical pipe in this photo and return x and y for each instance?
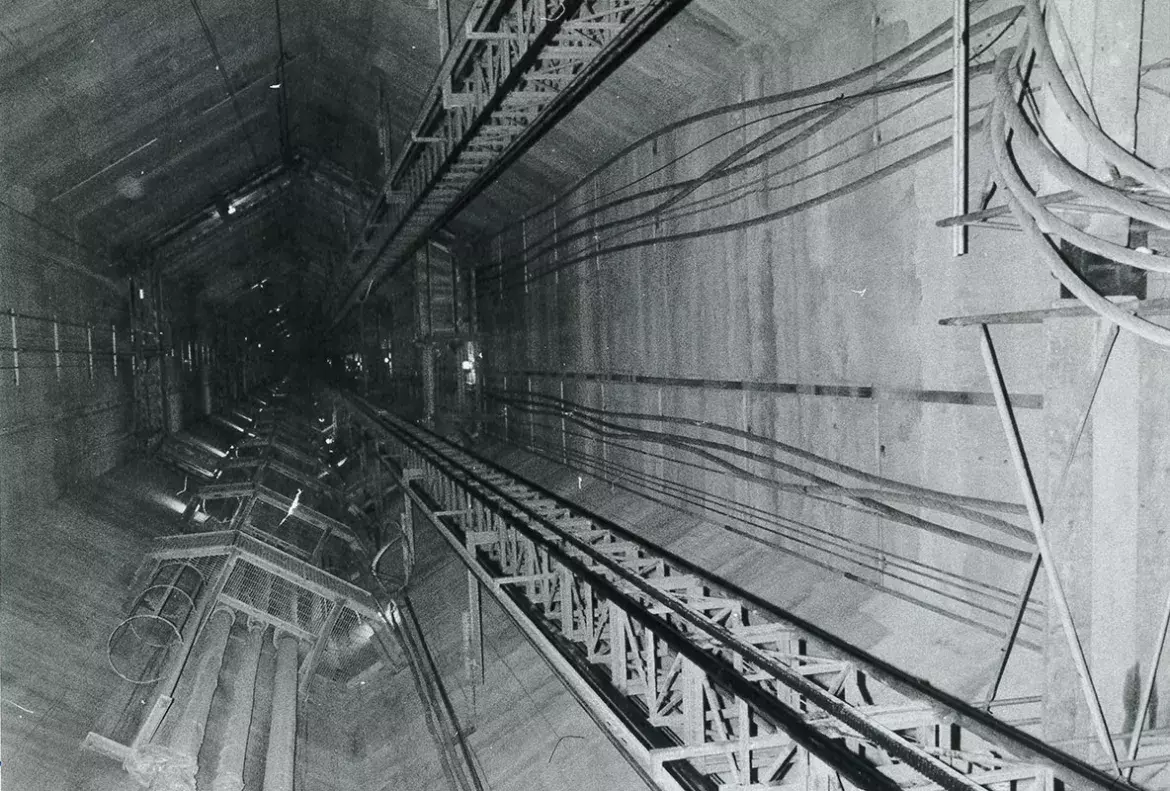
(173, 765)
(205, 388)
(282, 734)
(959, 133)
(188, 734)
(229, 768)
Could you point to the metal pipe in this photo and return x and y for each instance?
(1031, 500)
(282, 733)
(1147, 692)
(188, 733)
(173, 766)
(229, 767)
(1057, 493)
(959, 133)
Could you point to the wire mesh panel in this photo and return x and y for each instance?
(283, 529)
(139, 646)
(278, 600)
(351, 652)
(282, 484)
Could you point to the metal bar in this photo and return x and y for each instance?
(1005, 650)
(1031, 500)
(208, 599)
(1148, 690)
(1148, 307)
(475, 630)
(57, 347)
(89, 344)
(15, 351)
(106, 169)
(961, 121)
(309, 665)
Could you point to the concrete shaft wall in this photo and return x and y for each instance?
(818, 329)
(58, 424)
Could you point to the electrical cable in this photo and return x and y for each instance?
(738, 193)
(1025, 207)
(1025, 136)
(894, 515)
(540, 247)
(769, 442)
(747, 514)
(703, 510)
(593, 231)
(1123, 160)
(827, 111)
(823, 87)
(227, 84)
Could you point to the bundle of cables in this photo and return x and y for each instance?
(784, 157)
(1133, 195)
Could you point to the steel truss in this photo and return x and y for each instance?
(701, 685)
(517, 68)
(278, 486)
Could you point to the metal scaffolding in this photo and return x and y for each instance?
(699, 684)
(513, 70)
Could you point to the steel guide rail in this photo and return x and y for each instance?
(729, 677)
(516, 68)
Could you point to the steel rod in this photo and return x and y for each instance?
(960, 131)
(1031, 500)
(1147, 691)
(15, 351)
(1057, 495)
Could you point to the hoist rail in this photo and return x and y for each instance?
(514, 69)
(700, 684)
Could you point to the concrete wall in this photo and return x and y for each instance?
(818, 329)
(57, 426)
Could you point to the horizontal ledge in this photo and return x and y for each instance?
(1149, 307)
(873, 392)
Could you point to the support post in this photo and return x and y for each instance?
(172, 766)
(475, 628)
(960, 130)
(282, 733)
(229, 768)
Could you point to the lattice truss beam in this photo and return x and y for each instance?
(276, 483)
(705, 684)
(515, 69)
(269, 488)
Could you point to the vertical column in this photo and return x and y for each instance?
(172, 766)
(428, 379)
(1095, 518)
(206, 402)
(282, 734)
(229, 768)
(188, 734)
(1116, 612)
